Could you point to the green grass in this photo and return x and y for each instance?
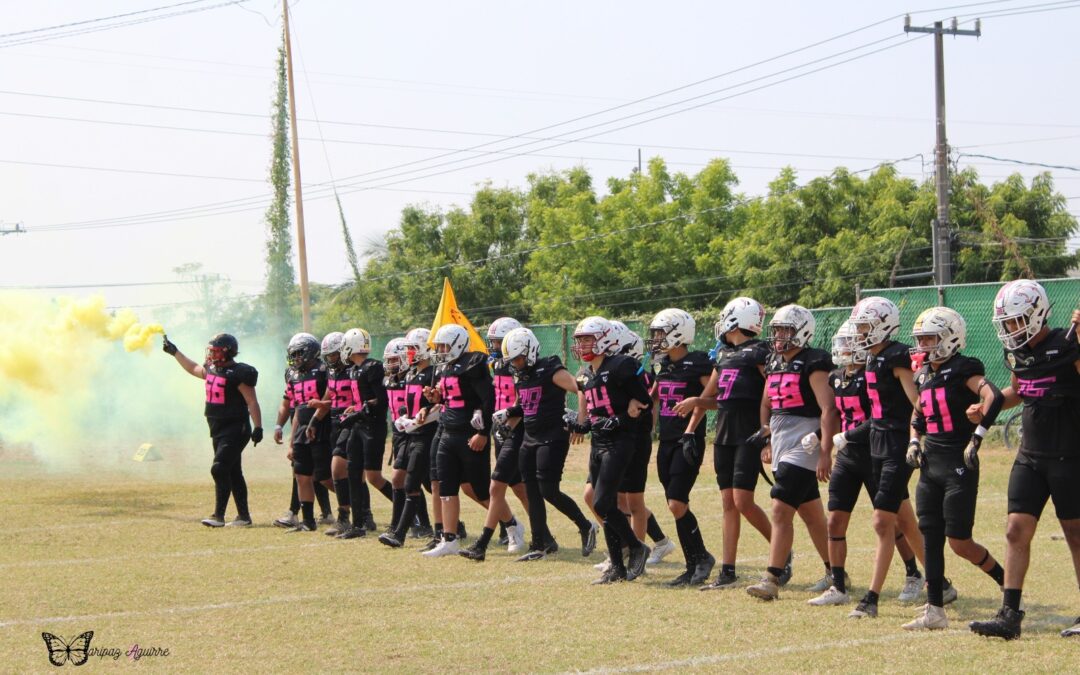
(120, 552)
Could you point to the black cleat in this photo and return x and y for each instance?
(588, 540)
(504, 538)
(388, 539)
(635, 567)
(462, 535)
(537, 553)
(474, 553)
(1005, 625)
(721, 582)
(421, 532)
(702, 569)
(354, 532)
(338, 527)
(303, 526)
(611, 576)
(682, 580)
(369, 522)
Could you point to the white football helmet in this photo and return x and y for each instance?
(744, 313)
(843, 346)
(394, 356)
(357, 341)
(331, 344)
(521, 342)
(949, 328)
(600, 329)
(456, 339)
(1024, 303)
(875, 319)
(797, 318)
(416, 341)
(669, 329)
(498, 330)
(627, 341)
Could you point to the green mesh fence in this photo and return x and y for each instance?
(973, 301)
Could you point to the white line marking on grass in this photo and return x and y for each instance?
(712, 659)
(403, 590)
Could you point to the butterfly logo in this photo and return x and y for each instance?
(77, 651)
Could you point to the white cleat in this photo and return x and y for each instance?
(913, 588)
(949, 595)
(823, 584)
(444, 548)
(516, 536)
(288, 520)
(603, 566)
(830, 597)
(661, 550)
(932, 618)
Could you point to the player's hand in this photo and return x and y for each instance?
(421, 416)
(167, 346)
(810, 443)
(256, 435)
(914, 454)
(478, 442)
(278, 435)
(634, 408)
(432, 394)
(289, 455)
(309, 433)
(839, 441)
(824, 467)
(576, 438)
(477, 420)
(500, 416)
(975, 413)
(759, 439)
(692, 451)
(686, 406)
(766, 454)
(971, 452)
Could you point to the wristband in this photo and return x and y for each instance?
(278, 427)
(980, 431)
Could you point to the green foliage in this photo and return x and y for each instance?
(281, 310)
(557, 250)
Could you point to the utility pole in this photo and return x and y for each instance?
(305, 298)
(940, 225)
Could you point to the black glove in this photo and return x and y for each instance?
(256, 434)
(758, 440)
(167, 346)
(501, 432)
(348, 421)
(692, 451)
(606, 424)
(971, 452)
(583, 428)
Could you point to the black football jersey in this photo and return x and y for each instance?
(223, 398)
(340, 386)
(503, 382)
(542, 401)
(609, 389)
(466, 386)
(738, 373)
(1049, 385)
(944, 398)
(890, 408)
(849, 393)
(787, 383)
(395, 395)
(369, 388)
(303, 385)
(415, 381)
(675, 381)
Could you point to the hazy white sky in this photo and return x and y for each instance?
(398, 84)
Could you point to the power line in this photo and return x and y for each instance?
(1019, 161)
(99, 19)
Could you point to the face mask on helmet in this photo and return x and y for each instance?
(844, 353)
(217, 356)
(939, 332)
(221, 349)
(585, 347)
(875, 319)
(1021, 309)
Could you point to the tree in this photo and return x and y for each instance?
(280, 277)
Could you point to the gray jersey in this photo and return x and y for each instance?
(787, 435)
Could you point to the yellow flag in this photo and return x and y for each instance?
(449, 313)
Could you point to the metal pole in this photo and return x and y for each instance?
(942, 255)
(301, 242)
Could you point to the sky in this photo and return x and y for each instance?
(138, 148)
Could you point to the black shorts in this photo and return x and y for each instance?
(1034, 480)
(676, 474)
(608, 459)
(851, 473)
(794, 485)
(945, 494)
(637, 468)
(507, 468)
(399, 456)
(417, 454)
(367, 444)
(458, 464)
(339, 440)
(543, 460)
(312, 459)
(891, 475)
(736, 466)
(433, 459)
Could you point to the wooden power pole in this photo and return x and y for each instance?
(301, 242)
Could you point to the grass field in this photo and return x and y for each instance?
(120, 552)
